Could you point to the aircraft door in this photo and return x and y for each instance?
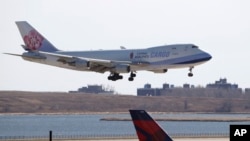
(174, 51)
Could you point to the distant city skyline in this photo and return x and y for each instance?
(218, 81)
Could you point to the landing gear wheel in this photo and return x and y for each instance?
(110, 77)
(131, 79)
(119, 77)
(115, 76)
(132, 75)
(190, 74)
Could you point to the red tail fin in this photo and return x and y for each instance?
(146, 128)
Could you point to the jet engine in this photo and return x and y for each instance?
(160, 71)
(80, 64)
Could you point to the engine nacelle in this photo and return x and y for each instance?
(160, 71)
(121, 68)
(80, 64)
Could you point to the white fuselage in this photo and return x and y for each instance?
(156, 59)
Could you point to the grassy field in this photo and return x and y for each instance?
(55, 102)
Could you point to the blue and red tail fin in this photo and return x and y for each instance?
(146, 128)
(33, 40)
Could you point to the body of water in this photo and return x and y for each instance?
(40, 125)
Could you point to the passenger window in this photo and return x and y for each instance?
(194, 46)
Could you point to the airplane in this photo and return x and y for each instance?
(146, 127)
(155, 59)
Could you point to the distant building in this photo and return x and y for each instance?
(166, 86)
(186, 85)
(220, 88)
(247, 90)
(148, 91)
(222, 84)
(147, 86)
(95, 89)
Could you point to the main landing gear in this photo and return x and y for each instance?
(190, 74)
(117, 76)
(132, 75)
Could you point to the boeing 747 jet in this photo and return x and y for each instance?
(155, 59)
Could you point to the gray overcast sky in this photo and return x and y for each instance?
(220, 27)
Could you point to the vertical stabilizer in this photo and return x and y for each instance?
(146, 128)
(33, 40)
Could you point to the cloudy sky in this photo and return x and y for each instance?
(220, 27)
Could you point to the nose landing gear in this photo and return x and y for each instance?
(190, 74)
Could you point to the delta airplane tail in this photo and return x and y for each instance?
(33, 40)
(146, 128)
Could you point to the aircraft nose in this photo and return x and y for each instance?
(208, 56)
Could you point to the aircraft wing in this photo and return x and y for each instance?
(92, 64)
(97, 65)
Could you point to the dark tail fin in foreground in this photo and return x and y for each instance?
(146, 128)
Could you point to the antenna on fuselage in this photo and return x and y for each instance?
(122, 47)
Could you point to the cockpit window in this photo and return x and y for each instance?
(193, 46)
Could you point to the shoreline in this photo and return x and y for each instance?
(186, 119)
(202, 119)
(110, 113)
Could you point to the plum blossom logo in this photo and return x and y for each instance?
(33, 40)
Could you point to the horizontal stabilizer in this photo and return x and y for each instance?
(19, 55)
